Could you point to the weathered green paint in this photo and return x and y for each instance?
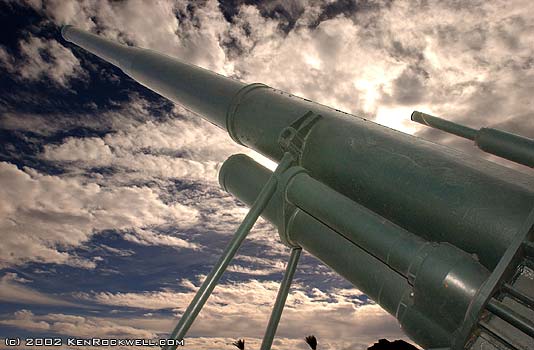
(280, 301)
(433, 191)
(439, 279)
(444, 125)
(205, 290)
(500, 143)
(439, 208)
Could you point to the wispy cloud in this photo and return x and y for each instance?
(13, 289)
(78, 326)
(125, 114)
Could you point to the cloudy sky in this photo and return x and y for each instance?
(110, 211)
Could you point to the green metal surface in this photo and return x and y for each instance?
(213, 278)
(506, 145)
(386, 241)
(444, 125)
(281, 297)
(513, 147)
(414, 225)
(433, 191)
(438, 193)
(199, 90)
(444, 278)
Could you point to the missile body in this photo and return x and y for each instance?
(449, 216)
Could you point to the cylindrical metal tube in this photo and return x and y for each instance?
(430, 190)
(243, 177)
(444, 125)
(369, 274)
(280, 301)
(509, 146)
(384, 240)
(388, 288)
(199, 90)
(500, 143)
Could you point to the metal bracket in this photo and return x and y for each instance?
(293, 137)
(485, 300)
(234, 105)
(292, 140)
(288, 209)
(229, 252)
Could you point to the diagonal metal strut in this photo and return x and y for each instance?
(213, 278)
(281, 299)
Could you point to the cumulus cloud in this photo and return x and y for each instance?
(187, 30)
(243, 309)
(385, 61)
(42, 216)
(40, 58)
(140, 148)
(468, 62)
(174, 149)
(126, 114)
(221, 333)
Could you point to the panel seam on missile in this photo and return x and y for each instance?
(234, 105)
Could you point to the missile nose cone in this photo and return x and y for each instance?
(65, 30)
(117, 54)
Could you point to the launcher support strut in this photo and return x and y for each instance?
(213, 278)
(281, 299)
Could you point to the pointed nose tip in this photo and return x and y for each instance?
(65, 31)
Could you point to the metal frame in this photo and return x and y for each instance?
(213, 278)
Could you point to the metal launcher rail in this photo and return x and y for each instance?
(440, 239)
